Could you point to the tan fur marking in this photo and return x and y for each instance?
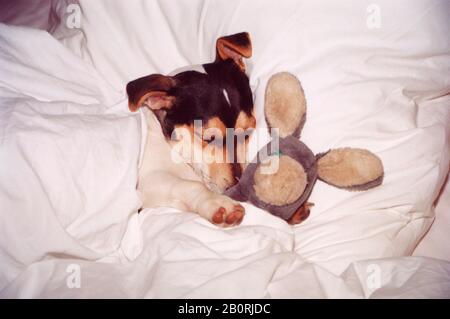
(245, 122)
(217, 123)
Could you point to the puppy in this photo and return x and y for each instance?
(208, 111)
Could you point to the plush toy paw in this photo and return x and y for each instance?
(300, 214)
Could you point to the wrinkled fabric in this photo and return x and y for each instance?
(69, 152)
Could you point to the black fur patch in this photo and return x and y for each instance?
(200, 96)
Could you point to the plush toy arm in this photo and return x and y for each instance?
(350, 168)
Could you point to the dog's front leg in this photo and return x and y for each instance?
(162, 188)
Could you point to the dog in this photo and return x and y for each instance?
(218, 95)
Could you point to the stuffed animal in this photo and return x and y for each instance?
(281, 177)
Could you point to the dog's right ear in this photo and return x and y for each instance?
(151, 90)
(236, 47)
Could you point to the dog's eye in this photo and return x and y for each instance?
(241, 136)
(209, 139)
(215, 140)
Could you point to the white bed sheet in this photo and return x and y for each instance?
(64, 113)
(436, 242)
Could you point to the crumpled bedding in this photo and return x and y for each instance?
(69, 153)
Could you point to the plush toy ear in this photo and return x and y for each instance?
(235, 47)
(152, 91)
(285, 104)
(350, 168)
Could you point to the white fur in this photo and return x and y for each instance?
(226, 96)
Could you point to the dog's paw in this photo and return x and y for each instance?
(222, 211)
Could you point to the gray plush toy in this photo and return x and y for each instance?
(283, 192)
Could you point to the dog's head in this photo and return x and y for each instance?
(211, 108)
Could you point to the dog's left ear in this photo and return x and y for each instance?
(152, 91)
(235, 47)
